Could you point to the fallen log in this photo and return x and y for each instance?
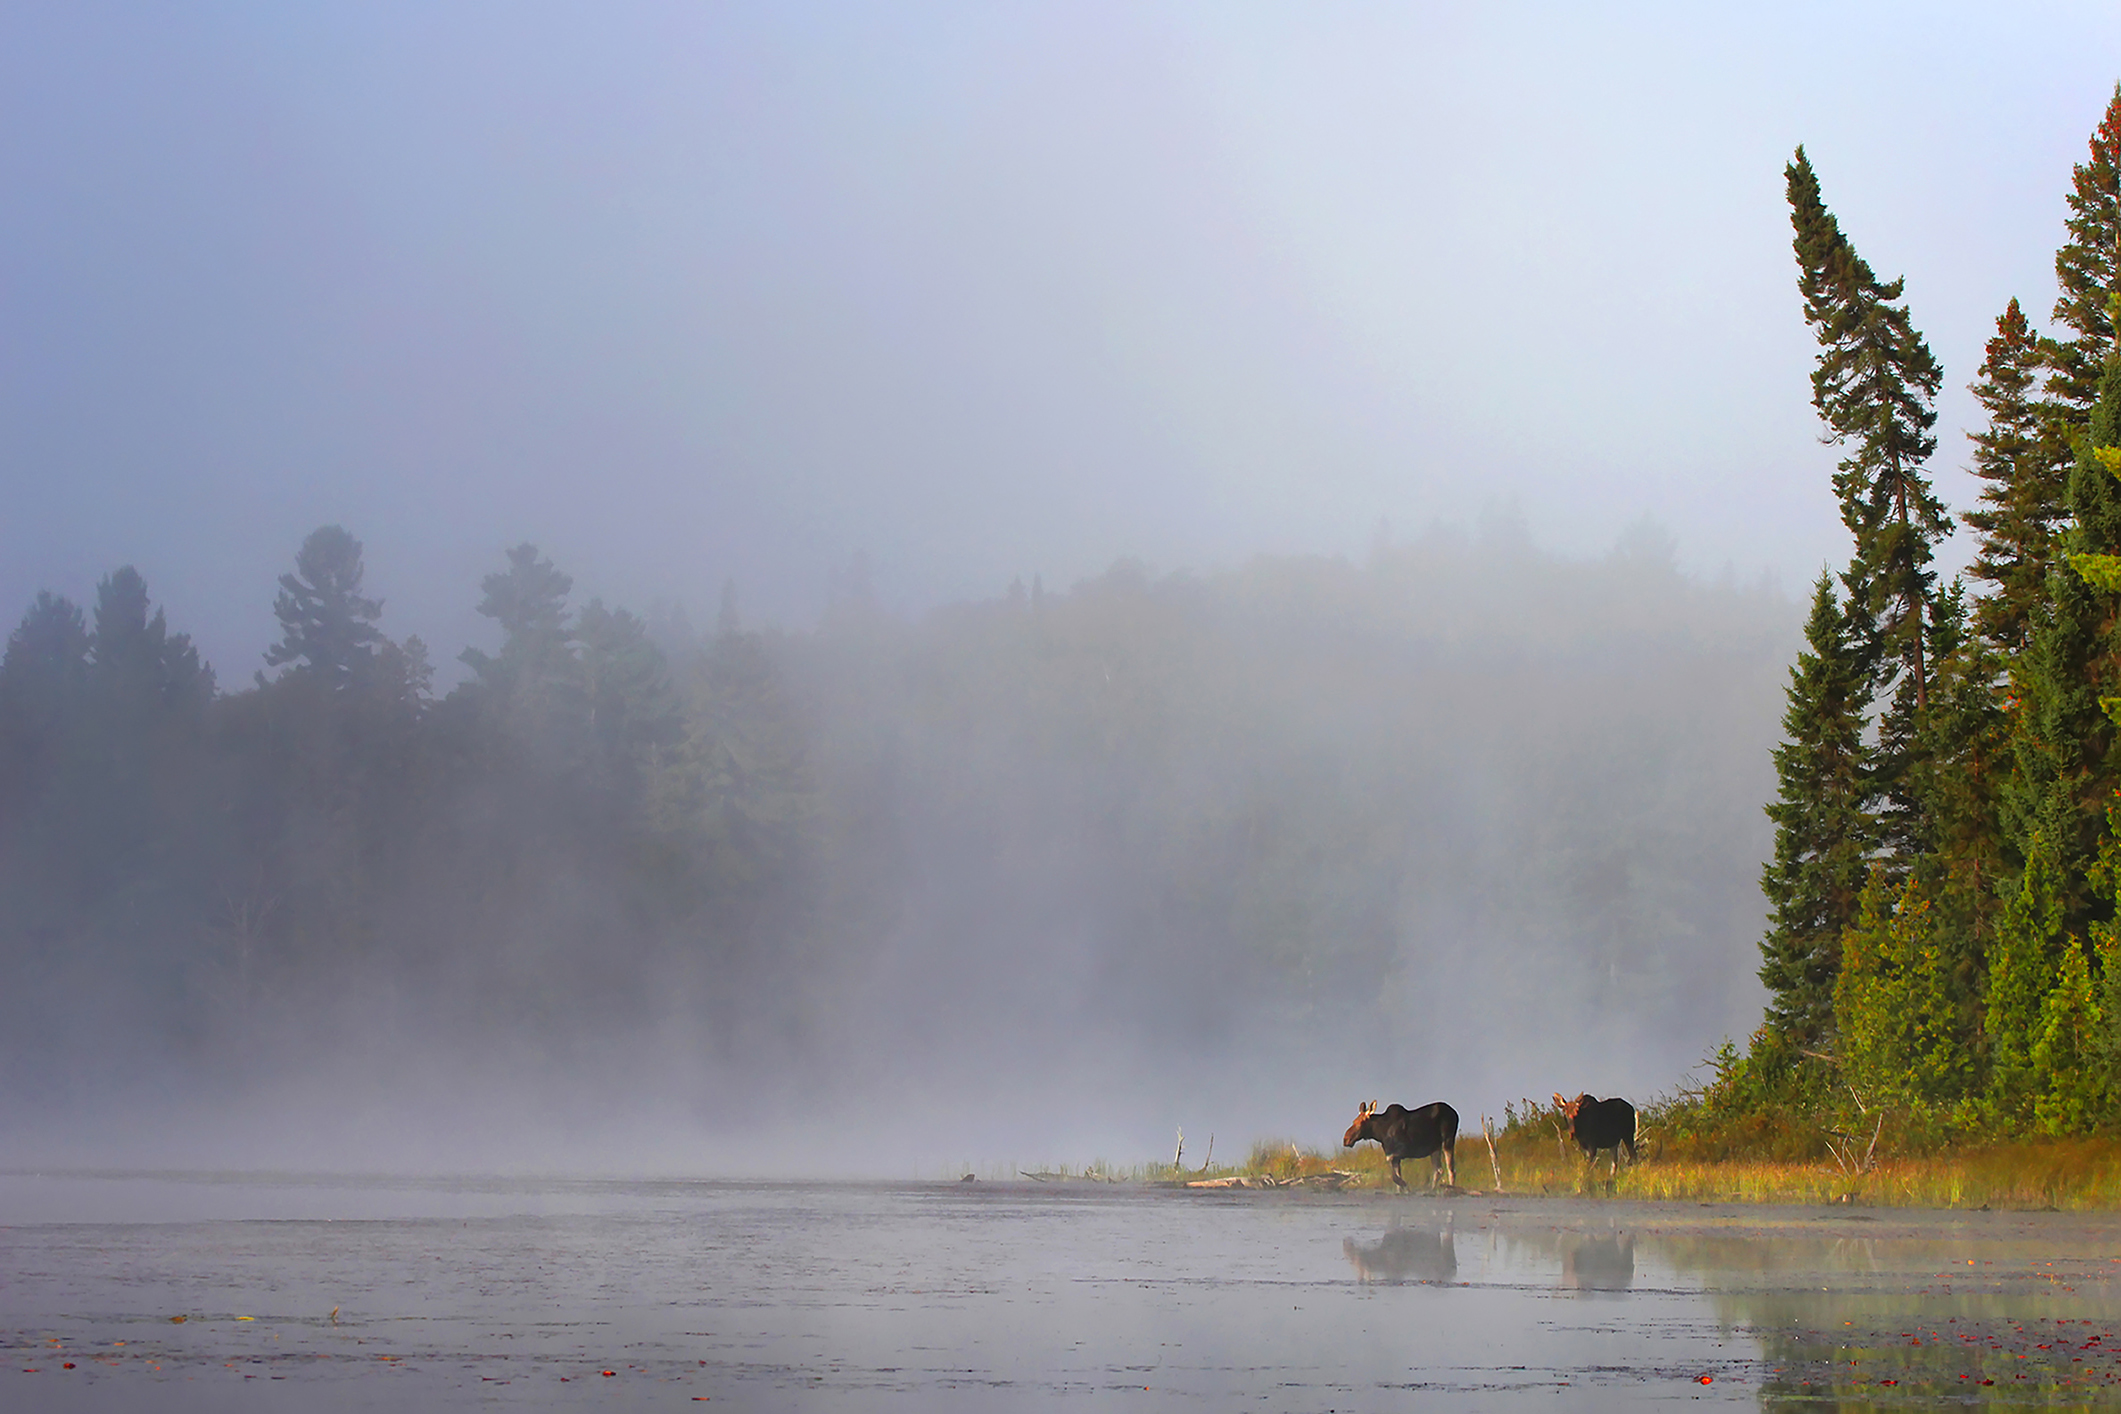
(1335, 1180)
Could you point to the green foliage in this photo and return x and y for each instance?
(1875, 386)
(1875, 379)
(1773, 1100)
(1896, 1002)
(1823, 834)
(2086, 273)
(2066, 772)
(2104, 1048)
(2021, 970)
(1958, 776)
(2071, 1087)
(2023, 455)
(1975, 982)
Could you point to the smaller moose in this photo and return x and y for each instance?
(1600, 1124)
(1430, 1132)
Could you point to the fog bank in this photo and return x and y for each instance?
(1041, 877)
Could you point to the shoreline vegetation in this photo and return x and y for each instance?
(1534, 1158)
(1943, 951)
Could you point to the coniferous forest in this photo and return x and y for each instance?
(1249, 833)
(1943, 946)
(1462, 809)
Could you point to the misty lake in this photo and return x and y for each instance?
(660, 1294)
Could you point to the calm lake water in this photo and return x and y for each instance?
(660, 1295)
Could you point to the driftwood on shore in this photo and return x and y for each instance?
(1335, 1180)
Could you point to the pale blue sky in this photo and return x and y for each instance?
(688, 291)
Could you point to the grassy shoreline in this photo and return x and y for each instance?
(2074, 1175)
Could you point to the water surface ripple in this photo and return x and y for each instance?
(651, 1295)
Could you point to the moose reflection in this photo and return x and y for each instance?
(1404, 1254)
(1603, 1263)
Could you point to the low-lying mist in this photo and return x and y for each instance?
(1035, 879)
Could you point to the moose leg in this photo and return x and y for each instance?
(1397, 1181)
(1447, 1160)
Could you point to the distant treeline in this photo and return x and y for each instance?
(1944, 943)
(1305, 808)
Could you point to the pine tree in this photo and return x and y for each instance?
(145, 696)
(2071, 1090)
(41, 680)
(633, 708)
(1960, 768)
(326, 625)
(532, 690)
(1875, 386)
(2024, 457)
(2066, 771)
(1823, 835)
(2088, 270)
(138, 671)
(2022, 967)
(1896, 1002)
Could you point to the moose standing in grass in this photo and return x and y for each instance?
(1600, 1124)
(1430, 1132)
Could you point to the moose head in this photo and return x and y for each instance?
(1355, 1133)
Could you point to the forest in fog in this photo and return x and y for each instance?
(1465, 816)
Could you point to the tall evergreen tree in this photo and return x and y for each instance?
(634, 709)
(1896, 1002)
(1961, 765)
(2088, 269)
(1875, 386)
(41, 680)
(2022, 967)
(138, 670)
(326, 624)
(145, 697)
(2067, 772)
(1823, 834)
(533, 688)
(2024, 457)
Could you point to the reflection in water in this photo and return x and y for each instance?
(919, 1296)
(1604, 1263)
(1589, 1258)
(1964, 1313)
(1404, 1254)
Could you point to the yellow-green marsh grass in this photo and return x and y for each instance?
(2043, 1173)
